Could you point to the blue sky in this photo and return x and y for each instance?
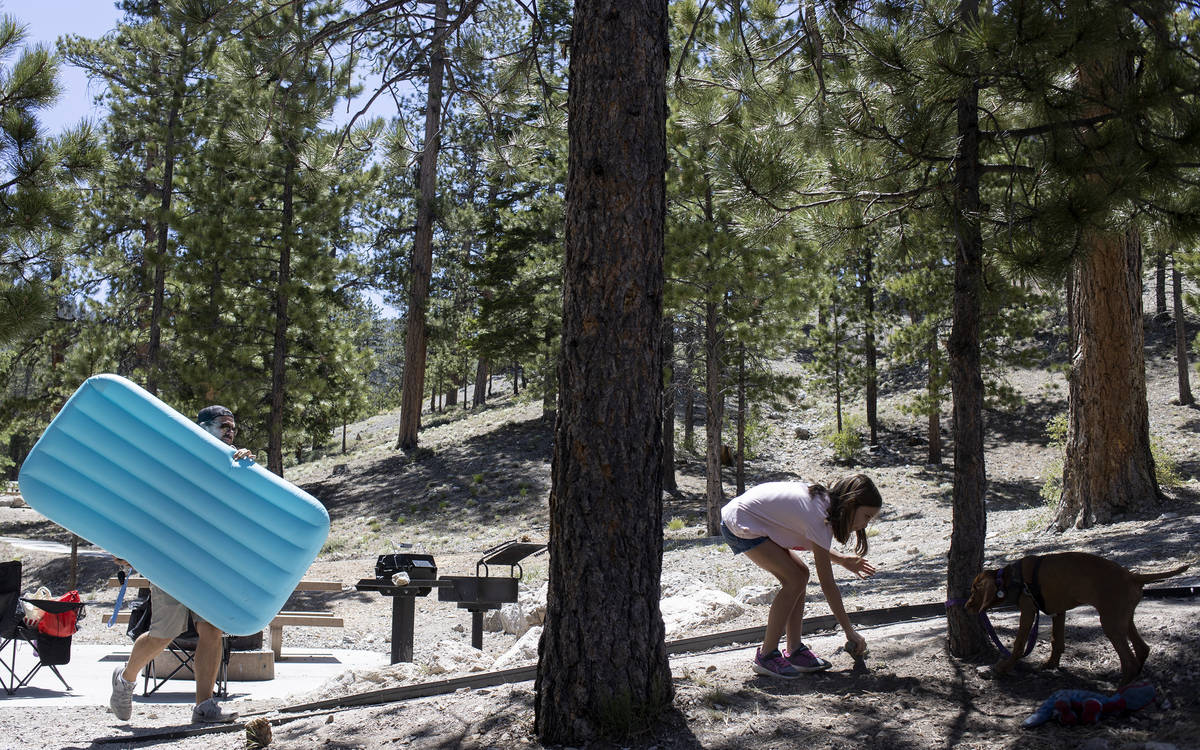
(46, 21)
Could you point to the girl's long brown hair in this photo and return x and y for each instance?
(846, 496)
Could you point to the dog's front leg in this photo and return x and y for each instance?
(1028, 610)
(1057, 641)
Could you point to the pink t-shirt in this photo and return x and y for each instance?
(783, 511)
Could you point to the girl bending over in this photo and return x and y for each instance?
(769, 523)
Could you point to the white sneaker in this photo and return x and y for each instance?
(209, 712)
(121, 700)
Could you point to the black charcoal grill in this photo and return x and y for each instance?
(402, 576)
(405, 576)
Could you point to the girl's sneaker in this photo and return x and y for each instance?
(804, 660)
(774, 665)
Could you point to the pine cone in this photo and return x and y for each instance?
(258, 733)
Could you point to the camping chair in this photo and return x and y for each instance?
(49, 650)
(181, 651)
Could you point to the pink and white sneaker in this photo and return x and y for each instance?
(804, 660)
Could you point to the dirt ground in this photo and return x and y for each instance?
(482, 477)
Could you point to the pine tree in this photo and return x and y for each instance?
(155, 67)
(603, 669)
(294, 192)
(38, 203)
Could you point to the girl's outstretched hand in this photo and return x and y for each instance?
(856, 645)
(859, 566)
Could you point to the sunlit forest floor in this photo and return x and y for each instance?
(481, 477)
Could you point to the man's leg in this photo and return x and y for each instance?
(205, 666)
(145, 648)
(208, 660)
(168, 618)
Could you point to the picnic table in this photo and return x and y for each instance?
(306, 618)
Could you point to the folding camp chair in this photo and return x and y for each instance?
(49, 650)
(179, 655)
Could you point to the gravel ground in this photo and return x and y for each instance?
(482, 478)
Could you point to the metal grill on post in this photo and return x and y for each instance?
(482, 591)
(404, 577)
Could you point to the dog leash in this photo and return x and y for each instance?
(124, 579)
(987, 626)
(991, 631)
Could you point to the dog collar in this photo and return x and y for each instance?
(999, 583)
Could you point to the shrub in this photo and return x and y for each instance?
(847, 442)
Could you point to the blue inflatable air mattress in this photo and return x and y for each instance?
(128, 473)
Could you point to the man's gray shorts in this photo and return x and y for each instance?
(168, 617)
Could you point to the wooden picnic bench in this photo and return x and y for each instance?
(320, 619)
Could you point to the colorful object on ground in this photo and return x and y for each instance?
(133, 476)
(1085, 707)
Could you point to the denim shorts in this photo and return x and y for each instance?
(737, 543)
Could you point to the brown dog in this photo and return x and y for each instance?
(1058, 582)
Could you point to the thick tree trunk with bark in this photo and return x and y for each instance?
(1181, 343)
(965, 636)
(479, 394)
(603, 671)
(1108, 469)
(422, 254)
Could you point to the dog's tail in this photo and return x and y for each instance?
(1159, 575)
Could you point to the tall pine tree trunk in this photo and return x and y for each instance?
(713, 416)
(1160, 281)
(689, 390)
(1108, 468)
(934, 424)
(969, 525)
(279, 348)
(739, 471)
(549, 393)
(479, 395)
(158, 305)
(1181, 344)
(837, 365)
(603, 671)
(872, 355)
(422, 254)
(668, 457)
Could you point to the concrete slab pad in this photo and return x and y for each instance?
(90, 674)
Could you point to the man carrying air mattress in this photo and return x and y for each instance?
(168, 618)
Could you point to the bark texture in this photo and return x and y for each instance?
(1108, 468)
(416, 338)
(714, 415)
(668, 456)
(965, 636)
(1181, 343)
(603, 669)
(279, 348)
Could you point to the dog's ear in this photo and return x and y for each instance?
(983, 592)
